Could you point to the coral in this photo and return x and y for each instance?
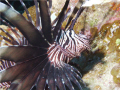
(105, 53)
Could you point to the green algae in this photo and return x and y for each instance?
(117, 41)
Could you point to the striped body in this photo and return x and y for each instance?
(67, 46)
(4, 65)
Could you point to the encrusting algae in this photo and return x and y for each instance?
(105, 41)
(115, 72)
(106, 53)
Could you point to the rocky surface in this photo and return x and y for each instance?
(100, 67)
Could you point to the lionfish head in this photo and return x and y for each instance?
(36, 55)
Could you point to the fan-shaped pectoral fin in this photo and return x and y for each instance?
(26, 28)
(20, 53)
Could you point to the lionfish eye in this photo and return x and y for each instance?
(34, 54)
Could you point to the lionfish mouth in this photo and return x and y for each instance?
(37, 58)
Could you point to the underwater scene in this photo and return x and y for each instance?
(59, 45)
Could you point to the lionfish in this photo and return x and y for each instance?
(37, 56)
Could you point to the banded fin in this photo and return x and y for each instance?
(79, 4)
(60, 20)
(27, 12)
(23, 53)
(45, 19)
(42, 79)
(25, 27)
(38, 19)
(59, 79)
